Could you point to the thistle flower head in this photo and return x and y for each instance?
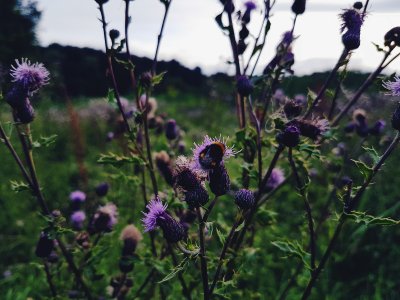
(77, 196)
(77, 219)
(290, 136)
(313, 128)
(276, 178)
(196, 197)
(219, 180)
(299, 6)
(292, 109)
(131, 237)
(156, 209)
(105, 218)
(102, 189)
(244, 86)
(351, 20)
(250, 5)
(186, 175)
(244, 199)
(211, 153)
(171, 129)
(31, 76)
(377, 128)
(393, 86)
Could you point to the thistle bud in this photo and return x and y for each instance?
(171, 130)
(244, 86)
(358, 5)
(102, 189)
(105, 218)
(292, 109)
(219, 180)
(130, 236)
(196, 197)
(351, 39)
(289, 137)
(244, 199)
(44, 246)
(146, 80)
(299, 6)
(392, 37)
(378, 128)
(241, 47)
(163, 163)
(77, 219)
(396, 118)
(114, 34)
(229, 7)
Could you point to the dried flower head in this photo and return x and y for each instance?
(211, 153)
(352, 20)
(30, 76)
(393, 86)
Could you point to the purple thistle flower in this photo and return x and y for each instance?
(219, 180)
(289, 137)
(244, 85)
(393, 86)
(102, 189)
(196, 197)
(276, 178)
(299, 6)
(156, 210)
(77, 219)
(211, 153)
(171, 129)
(77, 196)
(157, 216)
(352, 20)
(31, 76)
(250, 5)
(244, 199)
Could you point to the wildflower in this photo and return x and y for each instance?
(157, 216)
(130, 236)
(378, 127)
(289, 137)
(352, 20)
(29, 76)
(250, 6)
(163, 162)
(44, 246)
(312, 129)
(244, 86)
(299, 6)
(393, 86)
(219, 180)
(77, 219)
(77, 196)
(114, 34)
(196, 197)
(211, 153)
(276, 178)
(396, 118)
(146, 80)
(102, 189)
(105, 218)
(392, 37)
(292, 109)
(171, 129)
(358, 5)
(244, 199)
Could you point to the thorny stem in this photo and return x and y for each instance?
(361, 90)
(209, 209)
(354, 201)
(203, 261)
(307, 207)
(154, 67)
(111, 70)
(49, 279)
(223, 253)
(327, 82)
(27, 149)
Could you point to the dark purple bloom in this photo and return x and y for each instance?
(114, 34)
(244, 86)
(250, 5)
(351, 39)
(31, 76)
(77, 219)
(171, 129)
(219, 180)
(196, 197)
(157, 216)
(358, 5)
(244, 199)
(276, 178)
(299, 6)
(181, 147)
(102, 189)
(352, 20)
(105, 218)
(77, 196)
(289, 137)
(44, 246)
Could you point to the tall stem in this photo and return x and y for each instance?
(307, 208)
(154, 67)
(203, 261)
(49, 279)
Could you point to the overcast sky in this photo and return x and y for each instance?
(192, 36)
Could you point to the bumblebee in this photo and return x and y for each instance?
(212, 155)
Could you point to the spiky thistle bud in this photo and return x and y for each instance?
(102, 189)
(299, 6)
(244, 86)
(45, 245)
(77, 219)
(131, 237)
(244, 199)
(289, 137)
(358, 5)
(146, 80)
(196, 197)
(114, 34)
(171, 129)
(219, 180)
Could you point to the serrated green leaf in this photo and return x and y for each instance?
(45, 141)
(127, 64)
(240, 227)
(310, 98)
(157, 78)
(119, 160)
(364, 169)
(293, 248)
(221, 236)
(182, 265)
(18, 187)
(362, 217)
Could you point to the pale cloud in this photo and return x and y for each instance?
(193, 38)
